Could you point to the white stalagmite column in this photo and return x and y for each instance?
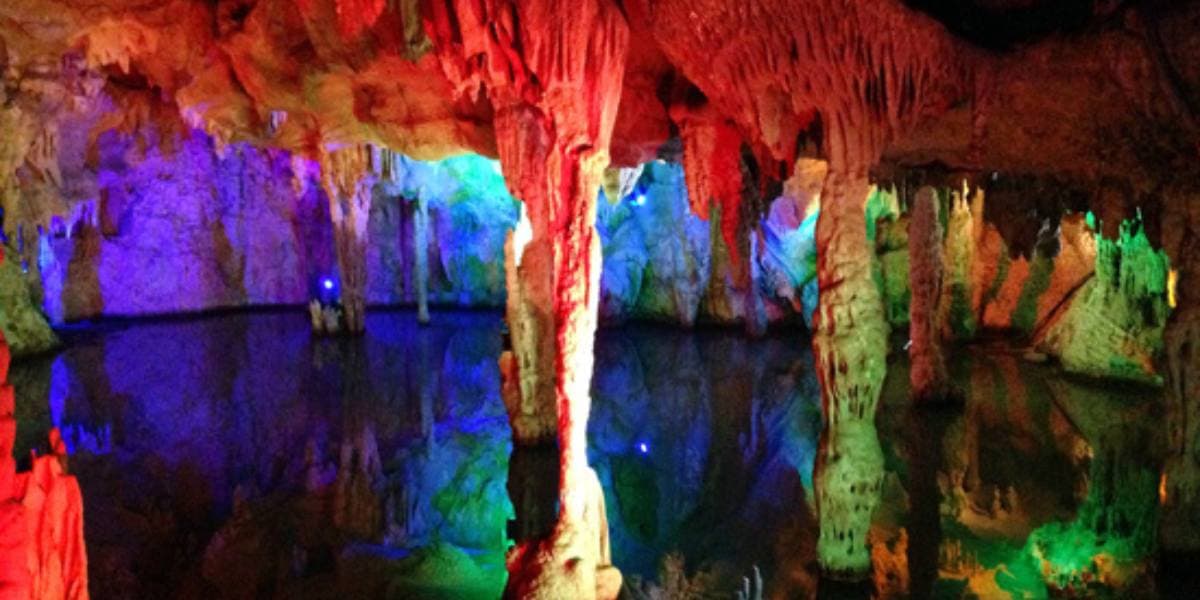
(851, 354)
(928, 376)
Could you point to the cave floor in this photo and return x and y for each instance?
(237, 456)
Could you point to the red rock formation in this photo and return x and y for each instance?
(712, 164)
(42, 553)
(554, 80)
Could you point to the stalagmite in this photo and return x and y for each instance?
(851, 355)
(928, 375)
(347, 175)
(554, 80)
(421, 252)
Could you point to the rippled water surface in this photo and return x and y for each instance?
(236, 456)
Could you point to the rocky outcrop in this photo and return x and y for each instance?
(1112, 326)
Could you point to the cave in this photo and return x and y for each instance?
(599, 299)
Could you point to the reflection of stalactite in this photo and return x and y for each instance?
(1112, 538)
(927, 468)
(356, 504)
(847, 481)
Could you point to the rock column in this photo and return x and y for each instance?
(554, 80)
(421, 252)
(928, 374)
(850, 346)
(347, 175)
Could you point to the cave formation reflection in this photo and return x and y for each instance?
(250, 458)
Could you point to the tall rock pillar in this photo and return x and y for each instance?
(928, 374)
(553, 78)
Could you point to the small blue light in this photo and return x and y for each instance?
(639, 200)
(643, 448)
(327, 283)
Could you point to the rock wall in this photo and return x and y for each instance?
(144, 227)
(198, 227)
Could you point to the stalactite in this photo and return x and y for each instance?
(958, 292)
(718, 185)
(347, 176)
(928, 375)
(421, 252)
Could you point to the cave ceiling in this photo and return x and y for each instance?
(1074, 89)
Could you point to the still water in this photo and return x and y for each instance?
(237, 456)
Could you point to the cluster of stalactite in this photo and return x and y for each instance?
(42, 553)
(347, 175)
(864, 74)
(714, 170)
(540, 87)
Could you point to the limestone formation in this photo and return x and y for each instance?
(42, 555)
(555, 108)
(747, 150)
(929, 378)
(21, 319)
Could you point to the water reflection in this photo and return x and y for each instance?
(237, 456)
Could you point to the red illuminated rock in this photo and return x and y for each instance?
(928, 375)
(554, 79)
(42, 553)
